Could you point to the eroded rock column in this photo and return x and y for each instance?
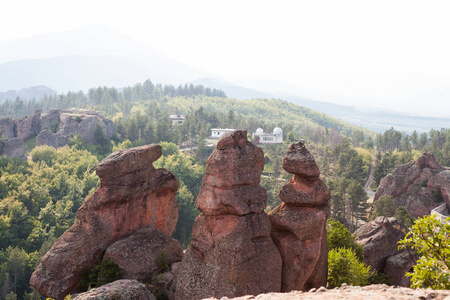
(132, 195)
(231, 253)
(298, 224)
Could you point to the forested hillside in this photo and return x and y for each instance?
(39, 198)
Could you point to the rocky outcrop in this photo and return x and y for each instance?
(55, 140)
(132, 195)
(419, 185)
(50, 120)
(83, 123)
(397, 265)
(6, 128)
(380, 245)
(28, 126)
(368, 292)
(13, 148)
(68, 123)
(120, 289)
(298, 224)
(141, 254)
(55, 129)
(231, 253)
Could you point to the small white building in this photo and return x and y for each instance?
(177, 119)
(217, 132)
(260, 137)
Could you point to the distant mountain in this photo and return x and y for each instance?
(35, 92)
(86, 57)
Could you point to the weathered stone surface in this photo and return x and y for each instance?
(232, 176)
(51, 119)
(299, 234)
(300, 161)
(397, 265)
(28, 126)
(6, 128)
(83, 123)
(379, 239)
(348, 292)
(231, 251)
(55, 140)
(138, 253)
(229, 256)
(120, 289)
(442, 182)
(298, 225)
(414, 184)
(235, 162)
(145, 198)
(13, 148)
(238, 200)
(304, 192)
(69, 123)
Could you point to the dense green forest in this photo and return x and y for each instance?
(39, 197)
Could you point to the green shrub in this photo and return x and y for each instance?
(338, 236)
(424, 183)
(429, 238)
(104, 272)
(54, 127)
(162, 262)
(437, 195)
(344, 267)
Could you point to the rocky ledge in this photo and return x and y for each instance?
(369, 292)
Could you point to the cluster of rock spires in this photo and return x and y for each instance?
(231, 252)
(237, 249)
(416, 185)
(65, 123)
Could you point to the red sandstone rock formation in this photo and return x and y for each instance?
(298, 225)
(412, 185)
(231, 252)
(379, 239)
(132, 194)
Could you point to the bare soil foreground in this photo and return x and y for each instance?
(370, 292)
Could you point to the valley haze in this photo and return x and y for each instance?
(339, 59)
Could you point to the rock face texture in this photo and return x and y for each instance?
(120, 289)
(13, 148)
(6, 128)
(132, 195)
(379, 239)
(64, 123)
(69, 123)
(138, 253)
(419, 185)
(298, 224)
(55, 140)
(231, 253)
(28, 126)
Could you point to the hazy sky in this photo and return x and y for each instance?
(392, 54)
